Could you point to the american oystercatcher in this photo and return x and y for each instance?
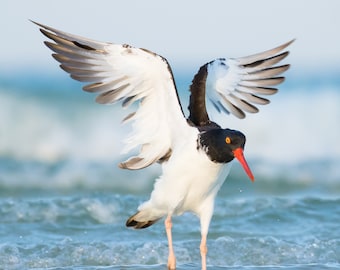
(195, 153)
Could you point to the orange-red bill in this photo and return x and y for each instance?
(238, 153)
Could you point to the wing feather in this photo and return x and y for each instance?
(262, 82)
(235, 85)
(257, 90)
(252, 98)
(266, 72)
(230, 107)
(123, 73)
(242, 104)
(262, 55)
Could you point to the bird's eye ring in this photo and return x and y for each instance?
(228, 140)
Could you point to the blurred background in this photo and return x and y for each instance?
(52, 133)
(63, 199)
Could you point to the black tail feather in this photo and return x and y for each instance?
(132, 222)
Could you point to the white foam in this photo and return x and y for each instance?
(49, 131)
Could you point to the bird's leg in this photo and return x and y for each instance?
(171, 258)
(205, 217)
(204, 251)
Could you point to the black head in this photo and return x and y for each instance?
(223, 145)
(219, 144)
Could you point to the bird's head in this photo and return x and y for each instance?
(223, 145)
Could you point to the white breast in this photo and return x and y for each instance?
(188, 179)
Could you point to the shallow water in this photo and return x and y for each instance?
(85, 230)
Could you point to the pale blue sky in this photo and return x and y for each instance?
(186, 32)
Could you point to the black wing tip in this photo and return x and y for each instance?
(291, 41)
(42, 26)
(32, 21)
(45, 30)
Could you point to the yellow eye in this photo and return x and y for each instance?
(228, 140)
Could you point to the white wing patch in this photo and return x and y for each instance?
(236, 85)
(127, 74)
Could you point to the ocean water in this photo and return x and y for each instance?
(64, 202)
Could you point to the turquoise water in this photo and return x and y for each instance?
(86, 230)
(64, 202)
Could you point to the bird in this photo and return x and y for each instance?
(195, 153)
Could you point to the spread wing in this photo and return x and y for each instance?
(123, 73)
(236, 85)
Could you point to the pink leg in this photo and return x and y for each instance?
(205, 217)
(171, 258)
(204, 251)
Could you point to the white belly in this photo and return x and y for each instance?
(189, 179)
